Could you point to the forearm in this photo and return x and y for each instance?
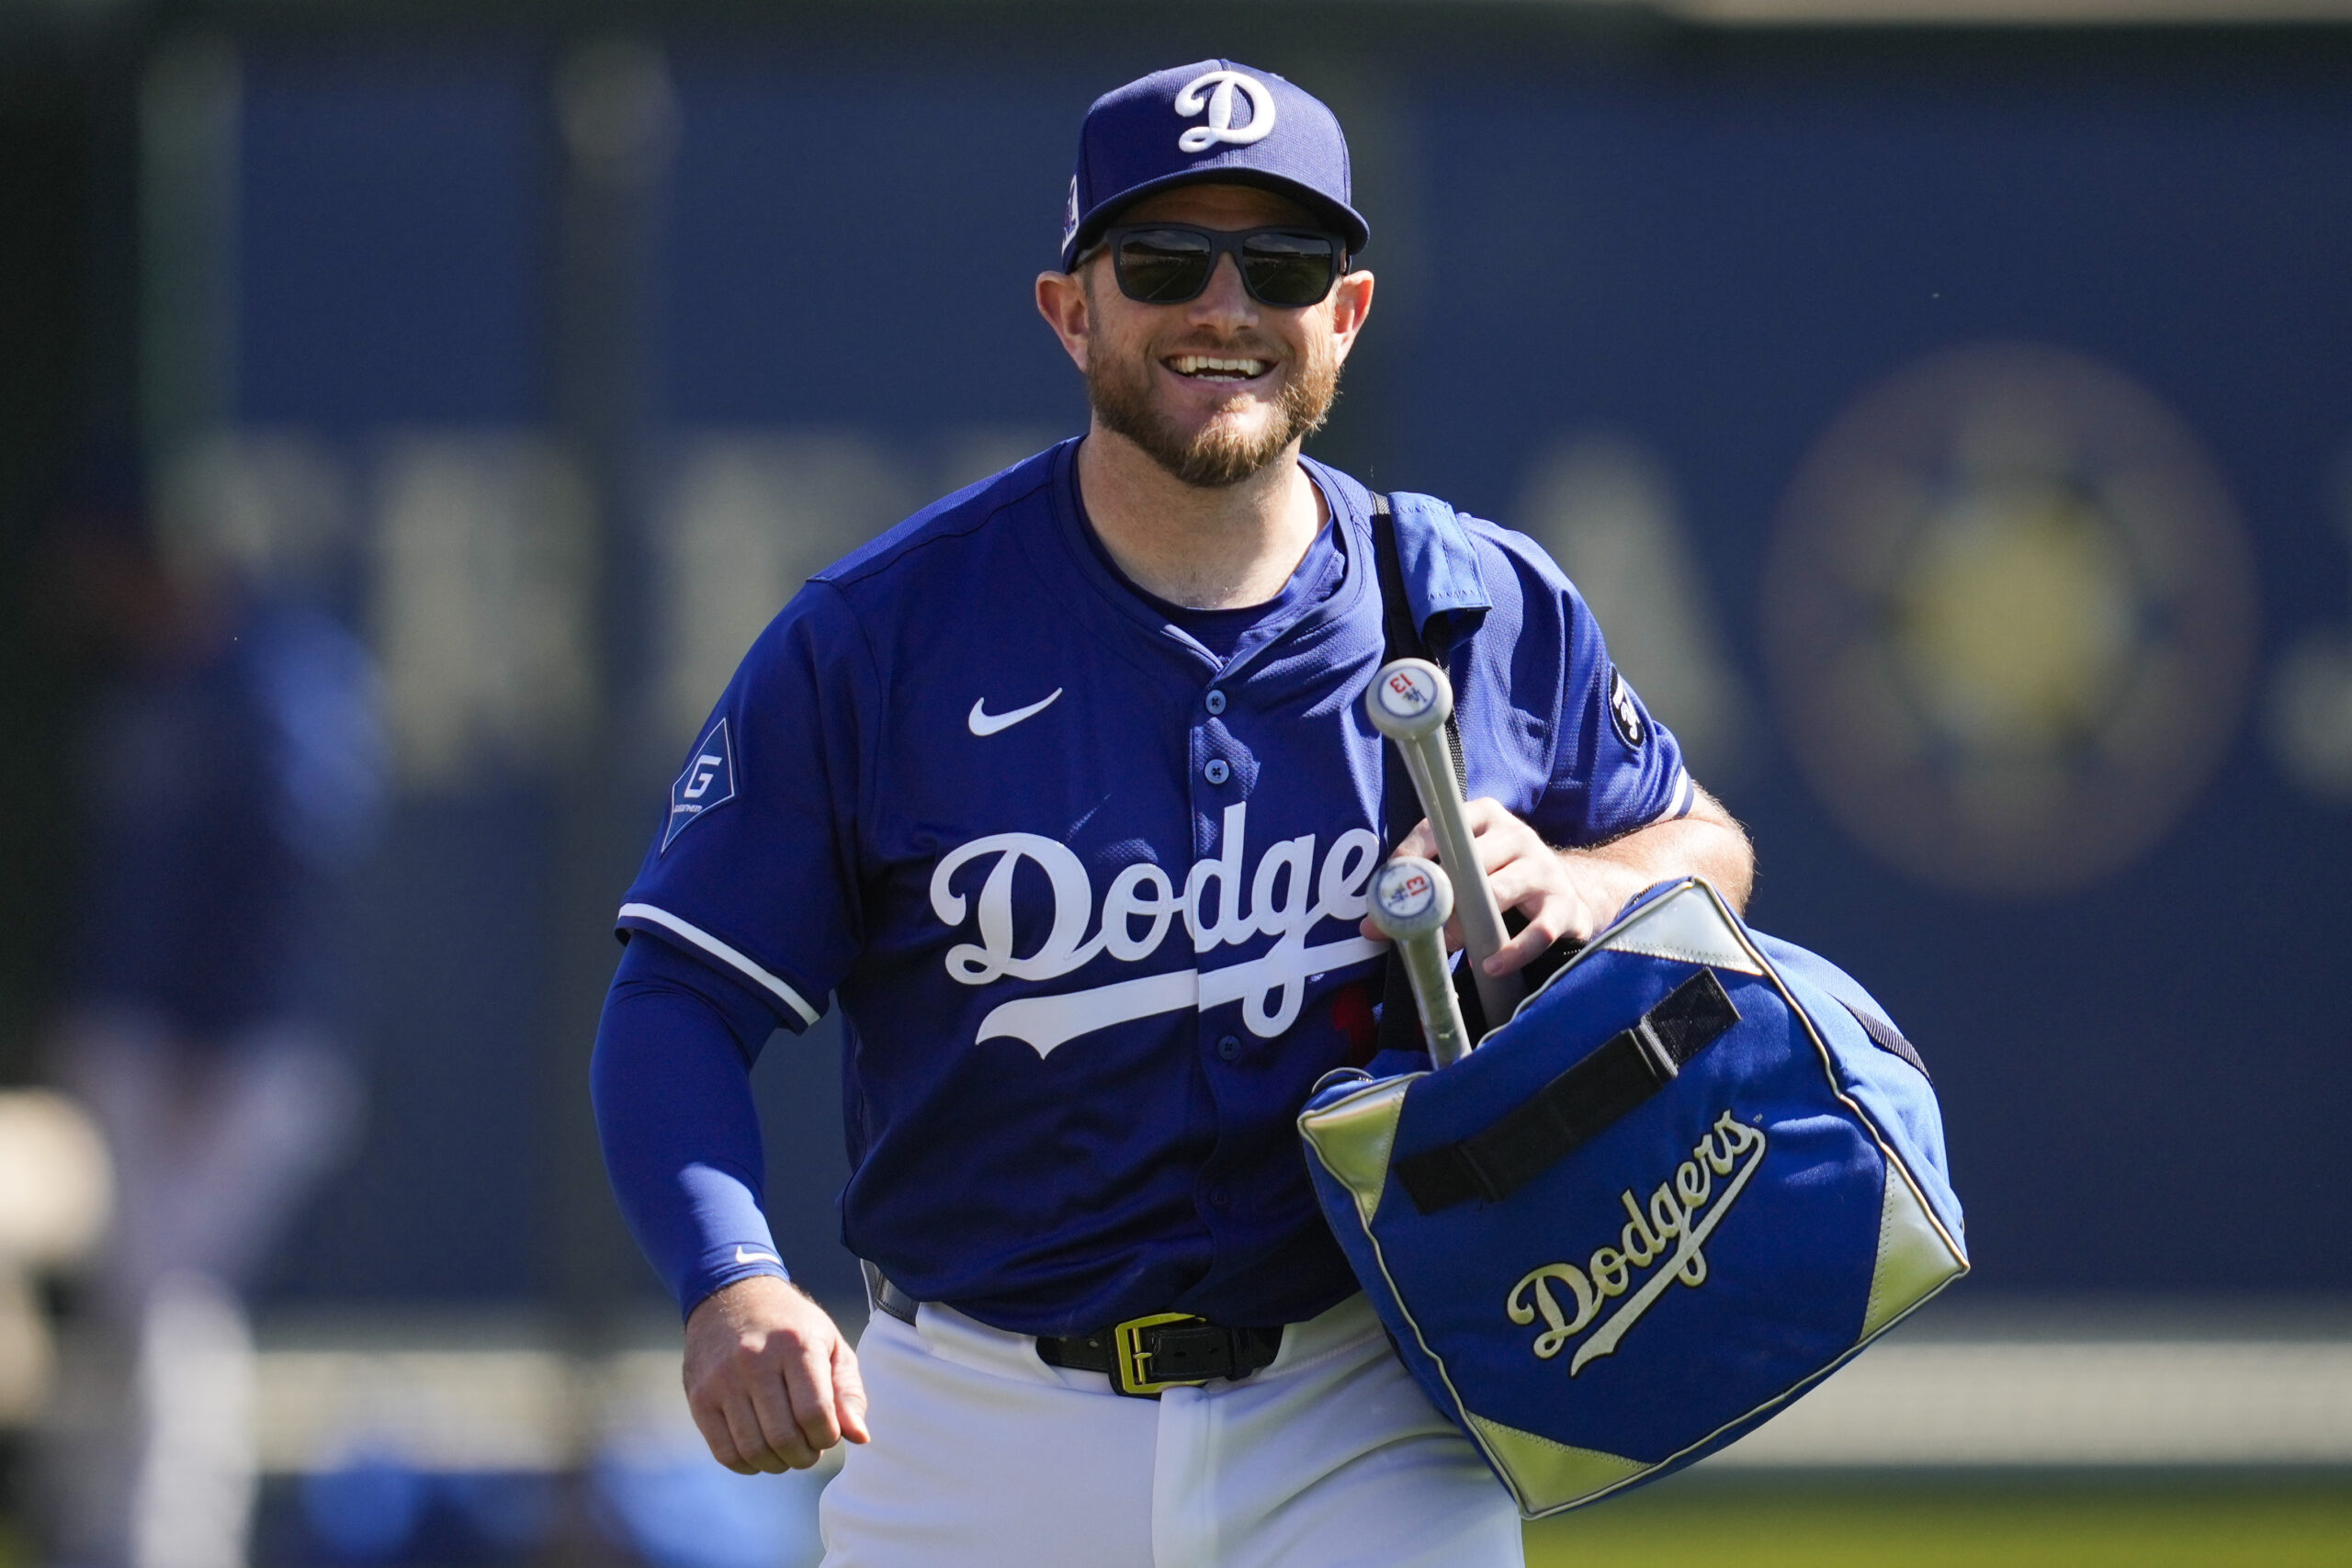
(1574, 892)
(1707, 842)
(671, 1081)
(769, 1380)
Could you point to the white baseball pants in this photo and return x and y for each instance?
(984, 1456)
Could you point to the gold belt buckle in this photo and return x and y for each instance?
(1133, 1374)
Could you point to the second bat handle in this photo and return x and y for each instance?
(1410, 900)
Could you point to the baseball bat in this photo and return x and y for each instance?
(1411, 901)
(1410, 702)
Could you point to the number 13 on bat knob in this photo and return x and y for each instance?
(1411, 899)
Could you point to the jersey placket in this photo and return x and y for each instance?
(1224, 775)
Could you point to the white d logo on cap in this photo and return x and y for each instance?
(1215, 89)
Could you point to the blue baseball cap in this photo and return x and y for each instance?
(1217, 121)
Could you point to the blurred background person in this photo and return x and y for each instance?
(231, 776)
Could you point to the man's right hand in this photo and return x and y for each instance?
(770, 1381)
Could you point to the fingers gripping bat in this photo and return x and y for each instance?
(1410, 702)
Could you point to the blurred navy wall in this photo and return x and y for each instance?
(1986, 402)
(1716, 262)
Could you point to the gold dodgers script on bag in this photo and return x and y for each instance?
(1681, 1215)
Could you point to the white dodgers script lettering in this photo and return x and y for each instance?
(1223, 903)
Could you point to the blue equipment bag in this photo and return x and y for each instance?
(1696, 1172)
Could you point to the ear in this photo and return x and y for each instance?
(1061, 299)
(1351, 303)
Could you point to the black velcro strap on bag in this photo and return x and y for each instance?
(1575, 1107)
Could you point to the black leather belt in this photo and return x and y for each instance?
(1141, 1356)
(887, 1297)
(1165, 1350)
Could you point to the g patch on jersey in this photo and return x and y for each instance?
(707, 784)
(1624, 713)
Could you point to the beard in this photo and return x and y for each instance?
(1223, 452)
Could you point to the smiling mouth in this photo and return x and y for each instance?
(1217, 368)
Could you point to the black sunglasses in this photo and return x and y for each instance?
(1168, 263)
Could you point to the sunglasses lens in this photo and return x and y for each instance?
(1289, 269)
(1163, 267)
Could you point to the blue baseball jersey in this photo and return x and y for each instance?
(1087, 892)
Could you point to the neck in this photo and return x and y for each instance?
(1205, 549)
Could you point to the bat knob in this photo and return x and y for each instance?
(1410, 898)
(1408, 699)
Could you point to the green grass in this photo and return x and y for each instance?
(2190, 1524)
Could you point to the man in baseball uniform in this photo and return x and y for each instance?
(1061, 790)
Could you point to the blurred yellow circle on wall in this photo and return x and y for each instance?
(2008, 615)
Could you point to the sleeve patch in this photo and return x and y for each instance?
(1624, 712)
(707, 784)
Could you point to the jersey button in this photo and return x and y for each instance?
(1220, 1200)
(1216, 772)
(1228, 1049)
(1215, 701)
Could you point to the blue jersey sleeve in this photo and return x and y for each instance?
(755, 868)
(1617, 765)
(681, 1136)
(1608, 766)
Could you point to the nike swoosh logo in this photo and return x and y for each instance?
(985, 723)
(753, 1254)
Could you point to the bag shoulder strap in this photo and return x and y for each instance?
(1404, 640)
